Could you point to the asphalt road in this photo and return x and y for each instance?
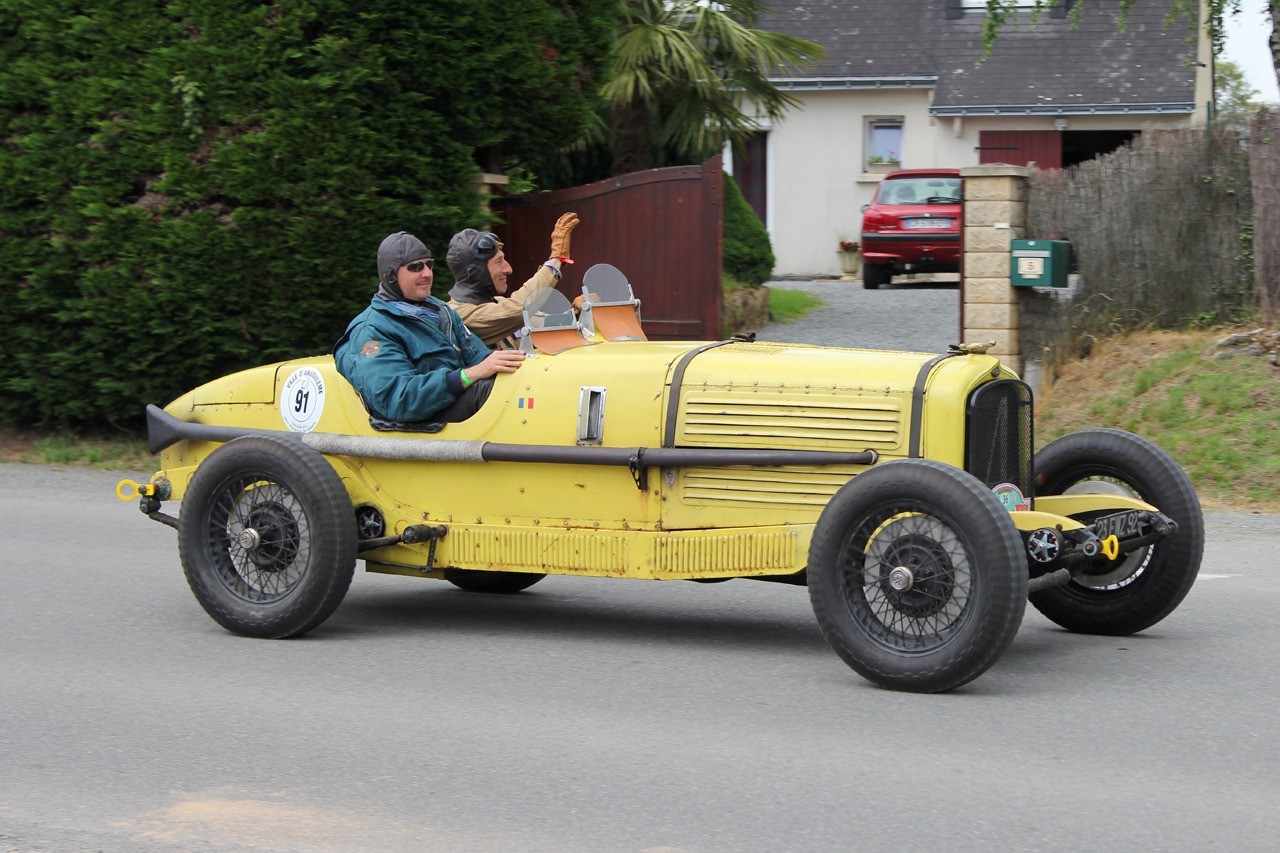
(600, 715)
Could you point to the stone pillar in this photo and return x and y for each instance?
(995, 214)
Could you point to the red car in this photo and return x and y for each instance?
(912, 225)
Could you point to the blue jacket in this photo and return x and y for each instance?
(406, 367)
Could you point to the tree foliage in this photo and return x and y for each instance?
(192, 186)
(686, 71)
(1234, 97)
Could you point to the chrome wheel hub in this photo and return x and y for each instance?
(250, 539)
(901, 579)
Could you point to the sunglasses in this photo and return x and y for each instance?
(416, 266)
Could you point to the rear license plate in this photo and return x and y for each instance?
(926, 223)
(1124, 525)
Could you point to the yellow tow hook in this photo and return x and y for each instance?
(149, 496)
(159, 488)
(1111, 547)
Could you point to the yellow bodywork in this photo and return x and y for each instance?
(688, 522)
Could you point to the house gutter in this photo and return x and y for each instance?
(1062, 109)
(931, 82)
(801, 83)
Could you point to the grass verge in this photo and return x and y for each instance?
(109, 454)
(1217, 417)
(787, 305)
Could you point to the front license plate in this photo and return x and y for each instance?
(1124, 525)
(926, 223)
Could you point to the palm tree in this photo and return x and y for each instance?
(686, 71)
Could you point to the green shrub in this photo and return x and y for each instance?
(188, 187)
(748, 254)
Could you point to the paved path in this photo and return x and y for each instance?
(597, 715)
(924, 317)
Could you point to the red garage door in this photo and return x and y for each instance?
(1021, 147)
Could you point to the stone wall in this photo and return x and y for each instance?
(746, 309)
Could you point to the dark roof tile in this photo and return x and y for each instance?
(1033, 66)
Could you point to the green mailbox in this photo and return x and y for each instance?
(1039, 263)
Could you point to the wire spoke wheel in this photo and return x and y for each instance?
(917, 577)
(259, 534)
(267, 537)
(1125, 569)
(908, 580)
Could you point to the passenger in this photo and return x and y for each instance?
(480, 270)
(408, 354)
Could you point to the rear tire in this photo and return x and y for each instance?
(267, 537)
(503, 583)
(874, 275)
(917, 576)
(1136, 590)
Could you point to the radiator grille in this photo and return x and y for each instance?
(999, 440)
(799, 421)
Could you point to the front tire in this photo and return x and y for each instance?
(874, 275)
(267, 537)
(917, 576)
(502, 583)
(1136, 590)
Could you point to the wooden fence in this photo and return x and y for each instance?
(1165, 232)
(1264, 169)
(663, 228)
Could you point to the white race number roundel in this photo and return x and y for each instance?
(302, 399)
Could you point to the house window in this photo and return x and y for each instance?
(884, 141)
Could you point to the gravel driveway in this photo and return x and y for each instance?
(922, 317)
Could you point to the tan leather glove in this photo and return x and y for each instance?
(560, 235)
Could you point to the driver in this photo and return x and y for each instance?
(408, 354)
(480, 272)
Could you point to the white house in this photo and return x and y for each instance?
(901, 81)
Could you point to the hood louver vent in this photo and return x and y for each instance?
(799, 420)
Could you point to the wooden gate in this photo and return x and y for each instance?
(663, 228)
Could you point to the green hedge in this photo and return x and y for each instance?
(748, 254)
(189, 187)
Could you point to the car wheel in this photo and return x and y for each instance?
(267, 537)
(1137, 589)
(499, 582)
(917, 576)
(874, 275)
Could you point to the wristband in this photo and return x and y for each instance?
(466, 380)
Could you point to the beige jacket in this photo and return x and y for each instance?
(494, 321)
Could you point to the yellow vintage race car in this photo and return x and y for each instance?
(900, 488)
